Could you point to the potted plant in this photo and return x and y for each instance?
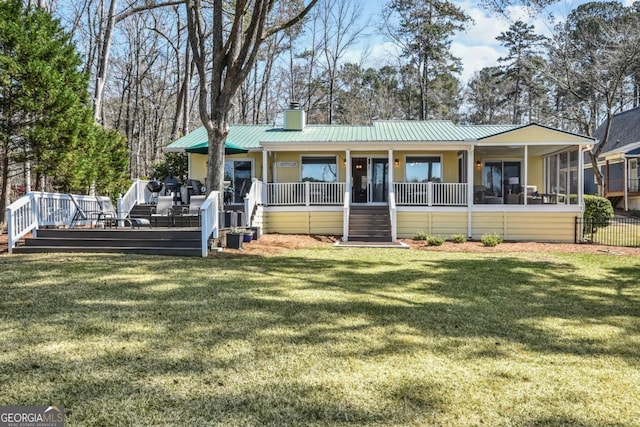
(248, 236)
(234, 238)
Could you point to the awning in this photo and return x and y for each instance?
(229, 148)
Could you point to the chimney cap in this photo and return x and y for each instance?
(294, 105)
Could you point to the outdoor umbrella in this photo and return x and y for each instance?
(229, 148)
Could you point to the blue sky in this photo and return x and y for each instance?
(477, 46)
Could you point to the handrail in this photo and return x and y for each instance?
(39, 209)
(134, 195)
(22, 218)
(252, 199)
(345, 208)
(393, 215)
(209, 217)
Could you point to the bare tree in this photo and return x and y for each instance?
(223, 56)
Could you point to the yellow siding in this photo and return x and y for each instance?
(436, 223)
(537, 226)
(536, 134)
(535, 173)
(303, 222)
(450, 166)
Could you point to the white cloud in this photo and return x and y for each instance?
(474, 58)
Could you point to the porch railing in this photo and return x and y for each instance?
(253, 199)
(305, 193)
(209, 220)
(136, 194)
(430, 193)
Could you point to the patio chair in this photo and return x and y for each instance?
(80, 214)
(163, 209)
(108, 215)
(193, 211)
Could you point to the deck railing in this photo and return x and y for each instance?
(136, 194)
(40, 209)
(430, 194)
(253, 199)
(209, 220)
(305, 193)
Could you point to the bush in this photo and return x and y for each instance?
(421, 235)
(598, 208)
(458, 238)
(435, 241)
(491, 240)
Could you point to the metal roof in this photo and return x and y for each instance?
(251, 136)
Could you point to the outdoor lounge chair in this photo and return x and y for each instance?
(81, 214)
(193, 211)
(163, 209)
(108, 215)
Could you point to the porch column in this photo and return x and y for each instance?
(265, 175)
(348, 172)
(470, 184)
(580, 176)
(391, 166)
(626, 180)
(265, 166)
(525, 173)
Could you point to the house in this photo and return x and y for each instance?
(618, 161)
(392, 179)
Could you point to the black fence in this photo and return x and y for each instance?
(619, 231)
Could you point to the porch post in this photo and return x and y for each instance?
(265, 166)
(580, 176)
(265, 169)
(348, 172)
(525, 173)
(470, 184)
(390, 167)
(625, 186)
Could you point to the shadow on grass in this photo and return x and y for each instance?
(234, 339)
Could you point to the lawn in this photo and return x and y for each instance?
(325, 337)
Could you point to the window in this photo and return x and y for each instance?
(237, 176)
(423, 169)
(319, 169)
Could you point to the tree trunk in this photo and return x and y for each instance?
(4, 189)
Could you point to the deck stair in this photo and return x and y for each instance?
(369, 224)
(173, 241)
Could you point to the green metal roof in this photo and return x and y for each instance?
(251, 136)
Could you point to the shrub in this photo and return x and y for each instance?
(598, 208)
(421, 235)
(491, 240)
(435, 241)
(458, 238)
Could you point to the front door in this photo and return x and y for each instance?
(370, 179)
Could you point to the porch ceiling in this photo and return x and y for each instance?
(534, 150)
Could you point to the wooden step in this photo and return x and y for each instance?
(369, 224)
(179, 242)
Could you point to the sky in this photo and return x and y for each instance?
(477, 47)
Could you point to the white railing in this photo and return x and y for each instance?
(305, 193)
(136, 194)
(345, 216)
(40, 209)
(393, 215)
(209, 220)
(253, 199)
(449, 194)
(22, 218)
(430, 193)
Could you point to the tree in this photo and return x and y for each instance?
(593, 56)
(423, 30)
(487, 97)
(521, 62)
(223, 55)
(45, 114)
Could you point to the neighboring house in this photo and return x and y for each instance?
(618, 161)
(430, 176)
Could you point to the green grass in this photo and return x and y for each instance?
(324, 337)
